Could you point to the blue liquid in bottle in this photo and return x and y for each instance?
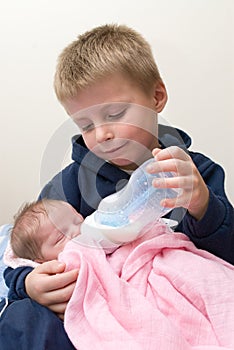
(121, 216)
(138, 201)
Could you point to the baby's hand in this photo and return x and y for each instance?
(194, 193)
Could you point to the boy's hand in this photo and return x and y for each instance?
(50, 286)
(194, 193)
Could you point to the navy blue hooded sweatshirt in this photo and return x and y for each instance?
(88, 179)
(83, 184)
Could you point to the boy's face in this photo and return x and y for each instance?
(118, 120)
(61, 225)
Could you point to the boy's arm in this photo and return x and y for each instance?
(48, 284)
(209, 217)
(15, 279)
(215, 231)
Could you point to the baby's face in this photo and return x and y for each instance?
(61, 225)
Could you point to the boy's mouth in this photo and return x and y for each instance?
(113, 148)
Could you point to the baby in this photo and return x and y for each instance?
(42, 229)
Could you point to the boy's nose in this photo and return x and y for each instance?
(104, 133)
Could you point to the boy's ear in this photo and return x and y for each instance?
(160, 96)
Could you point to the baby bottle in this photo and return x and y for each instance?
(121, 216)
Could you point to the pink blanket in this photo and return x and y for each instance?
(159, 292)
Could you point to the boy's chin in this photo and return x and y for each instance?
(124, 164)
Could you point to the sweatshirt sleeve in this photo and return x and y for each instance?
(14, 279)
(215, 231)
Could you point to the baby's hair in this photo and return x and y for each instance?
(24, 240)
(101, 52)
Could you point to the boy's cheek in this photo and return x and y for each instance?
(89, 141)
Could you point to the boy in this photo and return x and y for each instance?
(104, 67)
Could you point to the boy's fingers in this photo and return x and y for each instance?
(50, 267)
(180, 201)
(156, 151)
(170, 152)
(59, 297)
(61, 280)
(169, 165)
(184, 182)
(53, 289)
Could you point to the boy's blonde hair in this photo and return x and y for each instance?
(103, 51)
(25, 241)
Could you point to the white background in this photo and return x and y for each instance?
(193, 44)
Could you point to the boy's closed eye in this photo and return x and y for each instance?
(86, 128)
(87, 124)
(84, 124)
(117, 115)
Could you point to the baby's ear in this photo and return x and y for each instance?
(160, 96)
